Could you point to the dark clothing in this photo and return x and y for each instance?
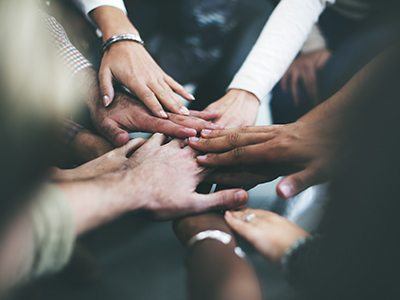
(353, 44)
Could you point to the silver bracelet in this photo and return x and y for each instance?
(120, 38)
(217, 235)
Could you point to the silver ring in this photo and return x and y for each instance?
(250, 217)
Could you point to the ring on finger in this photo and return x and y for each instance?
(250, 217)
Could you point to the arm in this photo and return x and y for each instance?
(306, 151)
(87, 6)
(137, 70)
(214, 270)
(44, 235)
(304, 70)
(279, 43)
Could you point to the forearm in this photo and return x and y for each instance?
(214, 270)
(279, 43)
(98, 201)
(112, 21)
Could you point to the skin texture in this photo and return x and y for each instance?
(305, 70)
(252, 155)
(127, 114)
(130, 64)
(214, 270)
(110, 161)
(87, 146)
(236, 109)
(271, 234)
(158, 178)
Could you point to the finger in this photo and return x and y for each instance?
(229, 141)
(293, 184)
(131, 147)
(205, 115)
(310, 82)
(247, 129)
(106, 86)
(253, 154)
(168, 98)
(192, 122)
(156, 140)
(179, 89)
(225, 199)
(244, 229)
(170, 128)
(285, 80)
(239, 179)
(242, 213)
(150, 100)
(294, 86)
(114, 133)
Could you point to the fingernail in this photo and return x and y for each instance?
(240, 196)
(194, 139)
(215, 126)
(163, 114)
(191, 97)
(202, 158)
(286, 190)
(106, 100)
(206, 132)
(190, 132)
(183, 110)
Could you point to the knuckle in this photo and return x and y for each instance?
(233, 139)
(238, 152)
(147, 95)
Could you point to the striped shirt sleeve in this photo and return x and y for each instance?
(70, 56)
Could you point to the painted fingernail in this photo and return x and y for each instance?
(286, 190)
(194, 139)
(163, 114)
(206, 132)
(106, 100)
(202, 158)
(183, 110)
(191, 97)
(240, 195)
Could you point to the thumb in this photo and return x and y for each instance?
(294, 184)
(106, 86)
(225, 199)
(131, 147)
(114, 133)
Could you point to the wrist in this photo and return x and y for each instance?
(112, 21)
(243, 95)
(188, 227)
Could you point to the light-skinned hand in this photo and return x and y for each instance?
(271, 234)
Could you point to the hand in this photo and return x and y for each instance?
(130, 64)
(302, 150)
(237, 108)
(87, 146)
(165, 178)
(112, 161)
(305, 68)
(271, 234)
(128, 114)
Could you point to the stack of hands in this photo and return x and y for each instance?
(217, 145)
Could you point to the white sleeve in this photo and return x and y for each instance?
(88, 5)
(315, 41)
(279, 43)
